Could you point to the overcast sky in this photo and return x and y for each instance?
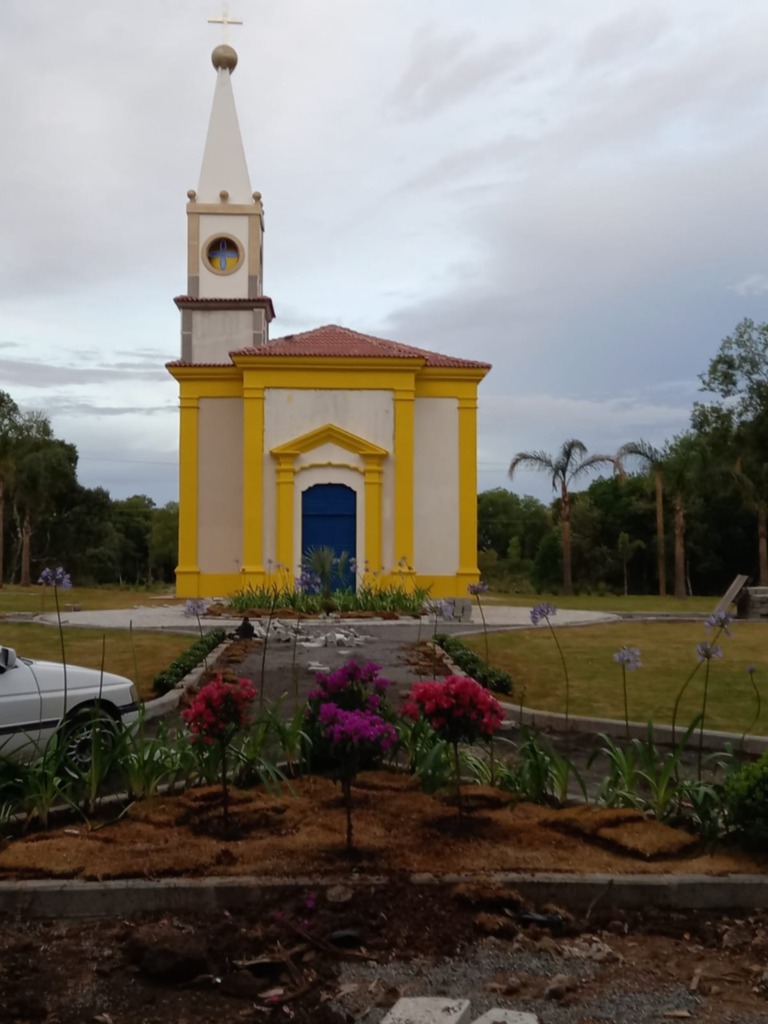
(574, 192)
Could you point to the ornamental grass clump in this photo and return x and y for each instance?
(218, 713)
(353, 738)
(459, 710)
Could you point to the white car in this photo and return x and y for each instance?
(32, 705)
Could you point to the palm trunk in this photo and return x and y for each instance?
(659, 485)
(26, 537)
(679, 547)
(762, 541)
(565, 516)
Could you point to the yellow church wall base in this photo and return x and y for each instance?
(193, 583)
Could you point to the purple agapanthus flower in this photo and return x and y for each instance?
(708, 651)
(195, 607)
(542, 611)
(751, 669)
(629, 657)
(475, 589)
(57, 577)
(719, 620)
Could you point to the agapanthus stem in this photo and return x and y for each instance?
(565, 672)
(485, 629)
(61, 641)
(703, 716)
(626, 702)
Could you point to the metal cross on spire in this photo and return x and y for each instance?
(225, 21)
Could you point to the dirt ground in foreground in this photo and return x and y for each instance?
(328, 956)
(397, 828)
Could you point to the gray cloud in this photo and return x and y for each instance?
(33, 373)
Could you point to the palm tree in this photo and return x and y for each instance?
(652, 460)
(570, 463)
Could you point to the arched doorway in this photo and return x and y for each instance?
(329, 519)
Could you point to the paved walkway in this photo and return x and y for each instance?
(172, 617)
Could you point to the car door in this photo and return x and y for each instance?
(20, 706)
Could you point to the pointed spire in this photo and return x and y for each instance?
(224, 168)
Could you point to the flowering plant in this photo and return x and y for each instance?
(459, 709)
(219, 711)
(629, 659)
(353, 687)
(352, 737)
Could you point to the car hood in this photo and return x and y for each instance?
(50, 676)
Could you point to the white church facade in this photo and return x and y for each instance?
(325, 438)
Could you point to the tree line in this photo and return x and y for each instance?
(693, 511)
(47, 517)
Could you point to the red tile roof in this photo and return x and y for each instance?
(333, 340)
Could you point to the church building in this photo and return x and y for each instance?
(325, 438)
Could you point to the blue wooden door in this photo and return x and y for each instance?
(329, 519)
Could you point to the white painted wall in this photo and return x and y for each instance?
(436, 486)
(220, 485)
(217, 332)
(224, 286)
(291, 412)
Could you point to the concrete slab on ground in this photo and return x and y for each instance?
(429, 1010)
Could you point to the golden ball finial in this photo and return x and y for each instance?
(224, 57)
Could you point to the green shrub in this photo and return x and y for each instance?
(471, 663)
(746, 801)
(186, 661)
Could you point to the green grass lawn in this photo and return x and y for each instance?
(668, 654)
(154, 650)
(40, 599)
(609, 602)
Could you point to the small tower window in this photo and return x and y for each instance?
(222, 254)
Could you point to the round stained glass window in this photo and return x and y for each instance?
(222, 254)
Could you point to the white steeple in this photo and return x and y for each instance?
(224, 308)
(224, 168)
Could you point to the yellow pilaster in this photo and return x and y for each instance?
(253, 483)
(284, 479)
(404, 443)
(187, 571)
(468, 490)
(373, 479)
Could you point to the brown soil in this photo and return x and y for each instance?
(314, 955)
(397, 828)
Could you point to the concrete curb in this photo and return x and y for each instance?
(125, 897)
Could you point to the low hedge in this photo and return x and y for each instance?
(186, 661)
(471, 663)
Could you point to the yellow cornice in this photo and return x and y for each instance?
(181, 373)
(328, 434)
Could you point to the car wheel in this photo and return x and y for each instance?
(79, 735)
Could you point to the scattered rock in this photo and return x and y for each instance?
(560, 986)
(339, 894)
(167, 954)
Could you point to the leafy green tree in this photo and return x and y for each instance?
(570, 463)
(164, 541)
(133, 520)
(10, 424)
(627, 549)
(45, 468)
(739, 371)
(503, 516)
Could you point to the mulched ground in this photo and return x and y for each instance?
(329, 956)
(301, 831)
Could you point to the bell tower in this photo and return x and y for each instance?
(224, 308)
